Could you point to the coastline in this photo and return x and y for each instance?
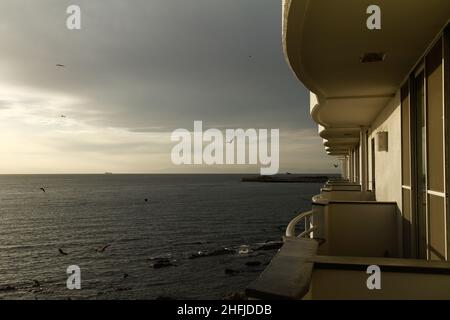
(288, 178)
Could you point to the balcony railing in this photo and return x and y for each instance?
(353, 235)
(292, 226)
(346, 278)
(298, 272)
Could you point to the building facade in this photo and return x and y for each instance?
(381, 99)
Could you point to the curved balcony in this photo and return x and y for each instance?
(329, 256)
(325, 43)
(299, 272)
(339, 140)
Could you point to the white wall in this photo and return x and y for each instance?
(388, 164)
(354, 229)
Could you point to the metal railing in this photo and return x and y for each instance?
(306, 217)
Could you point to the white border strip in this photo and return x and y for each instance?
(436, 193)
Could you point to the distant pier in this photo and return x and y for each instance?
(288, 178)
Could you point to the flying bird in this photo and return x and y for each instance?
(231, 141)
(63, 116)
(103, 248)
(62, 252)
(335, 165)
(43, 190)
(60, 65)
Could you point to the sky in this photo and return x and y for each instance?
(135, 72)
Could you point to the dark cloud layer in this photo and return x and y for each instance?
(159, 63)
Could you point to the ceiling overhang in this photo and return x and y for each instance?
(339, 141)
(324, 41)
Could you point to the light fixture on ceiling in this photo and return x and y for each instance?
(373, 57)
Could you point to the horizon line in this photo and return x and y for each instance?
(168, 173)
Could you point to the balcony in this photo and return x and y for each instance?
(345, 232)
(298, 272)
(346, 278)
(314, 39)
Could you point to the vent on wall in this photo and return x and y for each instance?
(373, 57)
(382, 141)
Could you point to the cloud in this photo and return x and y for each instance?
(156, 61)
(140, 69)
(146, 130)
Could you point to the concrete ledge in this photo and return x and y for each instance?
(318, 200)
(288, 276)
(393, 203)
(386, 264)
(297, 272)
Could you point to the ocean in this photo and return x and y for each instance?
(196, 236)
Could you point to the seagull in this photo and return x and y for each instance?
(43, 190)
(60, 65)
(62, 252)
(103, 248)
(335, 165)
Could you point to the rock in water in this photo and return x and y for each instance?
(164, 298)
(7, 288)
(253, 263)
(198, 254)
(159, 263)
(271, 245)
(231, 271)
(219, 252)
(235, 296)
(244, 249)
